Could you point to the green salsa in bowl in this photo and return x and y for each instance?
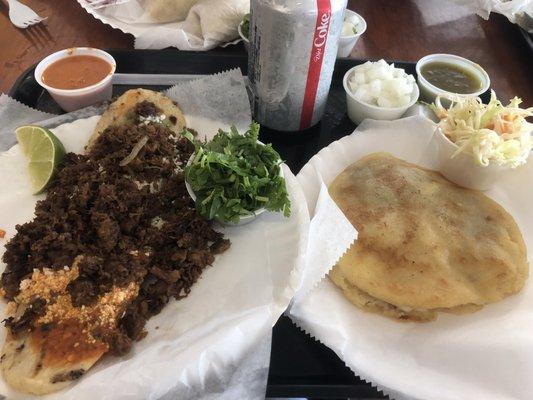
(449, 76)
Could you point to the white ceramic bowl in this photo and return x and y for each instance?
(429, 92)
(74, 99)
(359, 110)
(462, 169)
(242, 220)
(347, 43)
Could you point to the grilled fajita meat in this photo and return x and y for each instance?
(117, 223)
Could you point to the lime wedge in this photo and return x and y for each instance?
(44, 152)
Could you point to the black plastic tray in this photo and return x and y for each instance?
(528, 37)
(299, 366)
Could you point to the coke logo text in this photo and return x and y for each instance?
(322, 30)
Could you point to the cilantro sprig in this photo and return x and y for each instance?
(233, 175)
(246, 26)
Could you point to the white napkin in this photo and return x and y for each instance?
(200, 25)
(485, 355)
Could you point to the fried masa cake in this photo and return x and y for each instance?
(125, 110)
(60, 349)
(116, 238)
(425, 245)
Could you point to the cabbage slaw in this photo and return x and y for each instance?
(491, 133)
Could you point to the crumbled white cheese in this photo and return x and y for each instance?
(178, 165)
(155, 186)
(140, 184)
(154, 119)
(24, 284)
(157, 222)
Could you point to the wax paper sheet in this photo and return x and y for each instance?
(13, 114)
(485, 355)
(330, 235)
(216, 342)
(196, 100)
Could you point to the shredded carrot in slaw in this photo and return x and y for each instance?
(491, 133)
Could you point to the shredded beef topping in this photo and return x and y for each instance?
(146, 109)
(24, 323)
(132, 224)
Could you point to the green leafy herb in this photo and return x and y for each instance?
(233, 175)
(246, 26)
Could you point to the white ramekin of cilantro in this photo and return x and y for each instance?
(233, 178)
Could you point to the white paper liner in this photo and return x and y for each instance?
(196, 100)
(485, 355)
(330, 235)
(202, 340)
(13, 114)
(392, 394)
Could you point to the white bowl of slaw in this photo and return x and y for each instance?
(479, 143)
(462, 168)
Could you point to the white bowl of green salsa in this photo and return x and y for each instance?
(448, 75)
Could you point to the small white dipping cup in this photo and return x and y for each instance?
(74, 99)
(358, 110)
(462, 169)
(429, 92)
(347, 43)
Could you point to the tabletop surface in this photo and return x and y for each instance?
(397, 30)
(402, 30)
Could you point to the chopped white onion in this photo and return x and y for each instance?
(381, 84)
(138, 146)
